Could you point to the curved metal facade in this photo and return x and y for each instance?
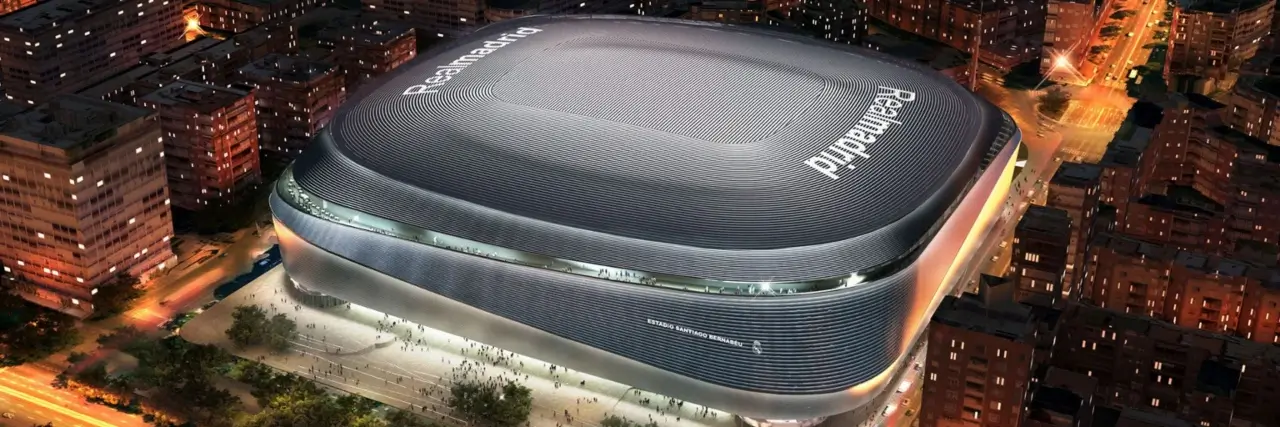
(778, 357)
(533, 146)
(510, 156)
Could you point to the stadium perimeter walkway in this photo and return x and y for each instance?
(346, 350)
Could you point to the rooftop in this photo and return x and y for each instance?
(365, 29)
(1134, 134)
(50, 13)
(1219, 6)
(1056, 401)
(286, 68)
(198, 96)
(70, 121)
(1043, 219)
(1072, 174)
(936, 55)
(1015, 323)
(148, 67)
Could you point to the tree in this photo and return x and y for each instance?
(305, 404)
(119, 336)
(1111, 31)
(1054, 102)
(616, 421)
(247, 325)
(46, 333)
(505, 406)
(1123, 14)
(399, 418)
(116, 296)
(76, 357)
(1100, 49)
(279, 331)
(1160, 35)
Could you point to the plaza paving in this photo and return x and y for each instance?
(361, 351)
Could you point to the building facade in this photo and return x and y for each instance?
(1075, 189)
(1214, 38)
(238, 16)
(981, 356)
(840, 21)
(84, 199)
(364, 47)
(211, 143)
(1041, 252)
(295, 98)
(61, 46)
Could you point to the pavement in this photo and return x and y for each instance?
(25, 391)
(358, 350)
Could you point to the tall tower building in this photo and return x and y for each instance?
(82, 199)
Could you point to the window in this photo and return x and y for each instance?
(1155, 402)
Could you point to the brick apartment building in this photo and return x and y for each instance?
(295, 98)
(1041, 253)
(981, 357)
(7, 6)
(210, 140)
(1213, 38)
(238, 16)
(1075, 189)
(61, 46)
(83, 197)
(1169, 372)
(365, 47)
(1255, 103)
(1068, 30)
(206, 60)
(953, 22)
(840, 21)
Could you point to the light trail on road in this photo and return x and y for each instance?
(61, 410)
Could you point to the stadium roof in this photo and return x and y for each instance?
(663, 146)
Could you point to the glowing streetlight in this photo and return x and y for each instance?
(1061, 62)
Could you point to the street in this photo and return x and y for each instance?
(26, 392)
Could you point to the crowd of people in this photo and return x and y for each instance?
(467, 361)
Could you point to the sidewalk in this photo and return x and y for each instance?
(409, 367)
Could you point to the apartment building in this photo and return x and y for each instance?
(953, 22)
(1212, 38)
(1254, 104)
(211, 143)
(1040, 256)
(840, 21)
(295, 98)
(1167, 372)
(61, 46)
(981, 356)
(238, 16)
(1075, 189)
(1068, 31)
(7, 6)
(365, 47)
(83, 199)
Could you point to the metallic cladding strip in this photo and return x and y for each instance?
(811, 345)
(293, 194)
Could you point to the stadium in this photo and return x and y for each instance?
(750, 220)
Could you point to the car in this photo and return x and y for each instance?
(1130, 34)
(7, 415)
(995, 258)
(209, 304)
(1004, 244)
